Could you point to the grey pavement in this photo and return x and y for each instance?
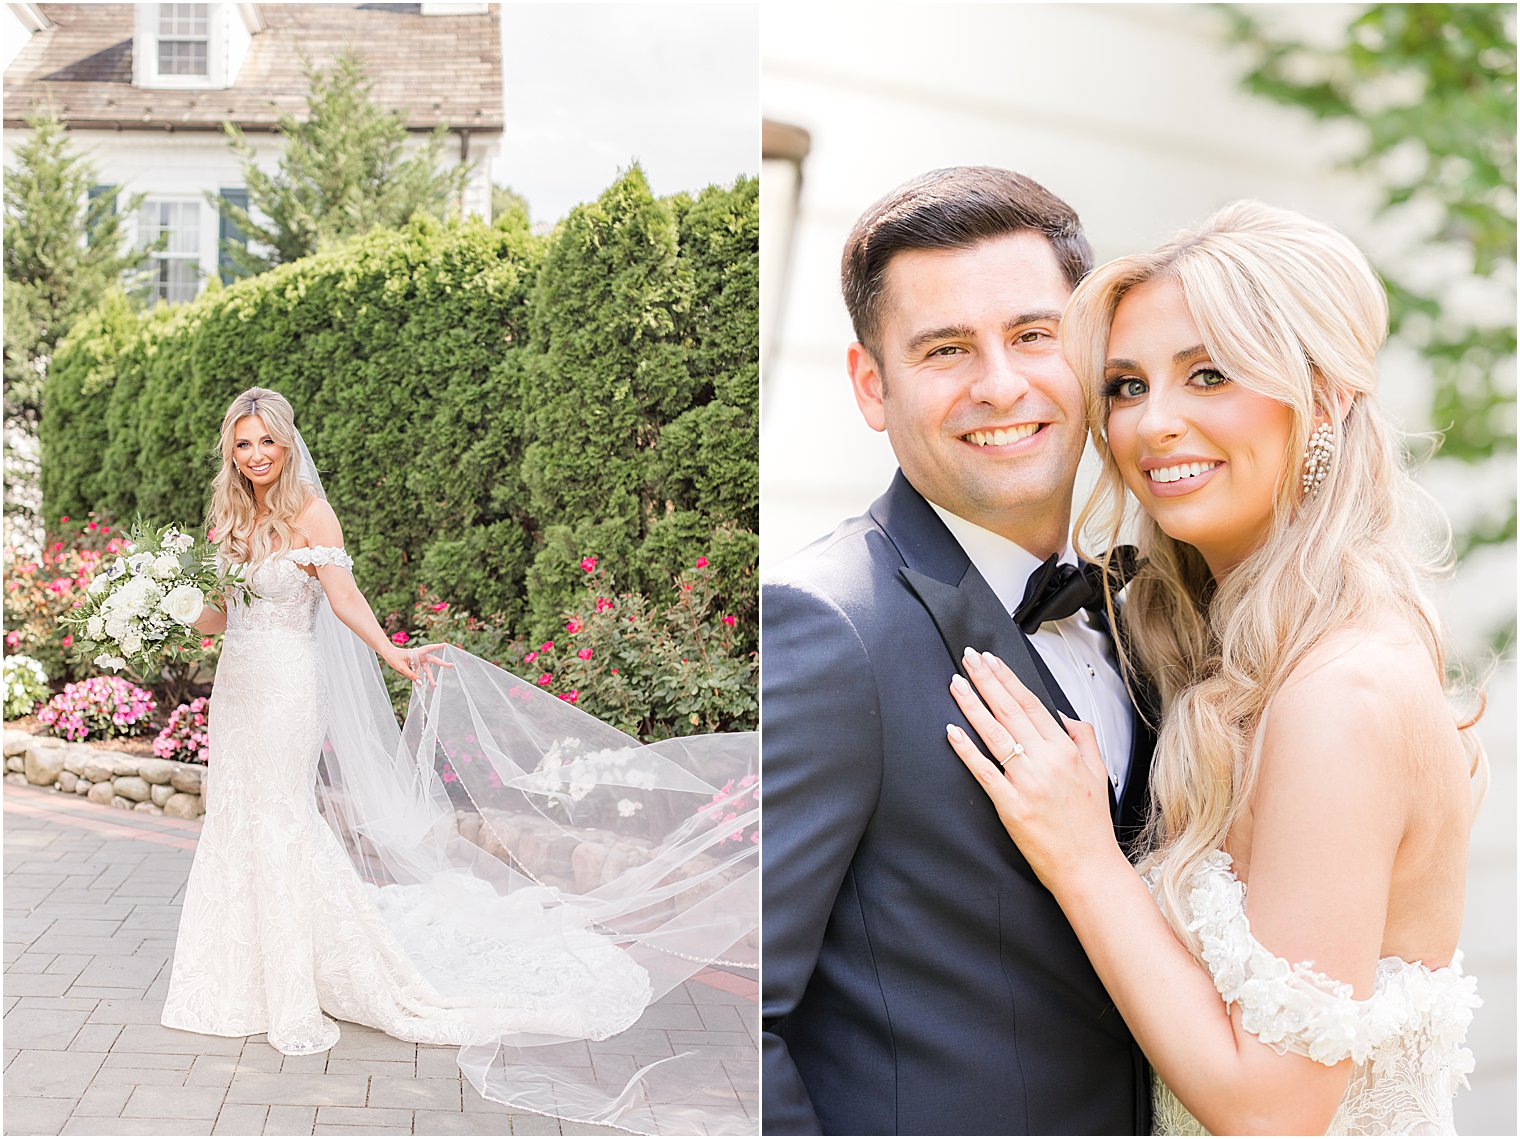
(92, 899)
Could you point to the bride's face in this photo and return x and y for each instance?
(1203, 455)
(256, 453)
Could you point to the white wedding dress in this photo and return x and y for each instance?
(404, 924)
(1405, 1041)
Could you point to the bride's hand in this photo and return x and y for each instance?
(1052, 794)
(413, 663)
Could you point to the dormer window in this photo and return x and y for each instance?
(191, 45)
(184, 39)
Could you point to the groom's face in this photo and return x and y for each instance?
(969, 383)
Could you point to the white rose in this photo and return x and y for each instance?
(94, 627)
(131, 642)
(184, 604)
(166, 566)
(106, 660)
(99, 584)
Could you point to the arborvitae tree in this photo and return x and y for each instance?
(343, 172)
(64, 250)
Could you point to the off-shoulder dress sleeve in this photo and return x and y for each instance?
(1293, 1008)
(321, 556)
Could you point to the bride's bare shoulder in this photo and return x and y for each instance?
(1374, 688)
(319, 523)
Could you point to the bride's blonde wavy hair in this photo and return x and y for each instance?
(240, 535)
(1290, 309)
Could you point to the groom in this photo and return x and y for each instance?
(918, 978)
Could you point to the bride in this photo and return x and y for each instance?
(1313, 790)
(561, 880)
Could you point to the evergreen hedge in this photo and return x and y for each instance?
(487, 406)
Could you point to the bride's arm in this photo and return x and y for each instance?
(343, 594)
(1328, 813)
(211, 621)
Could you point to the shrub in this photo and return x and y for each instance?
(26, 686)
(99, 708)
(38, 591)
(486, 404)
(184, 737)
(652, 670)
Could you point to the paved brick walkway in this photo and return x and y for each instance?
(92, 899)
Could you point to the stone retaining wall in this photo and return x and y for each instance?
(130, 782)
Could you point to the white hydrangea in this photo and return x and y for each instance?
(165, 566)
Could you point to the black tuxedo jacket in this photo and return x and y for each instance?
(918, 978)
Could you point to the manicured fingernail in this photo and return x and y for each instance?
(953, 732)
(958, 682)
(972, 657)
(989, 658)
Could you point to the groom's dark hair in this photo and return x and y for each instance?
(954, 208)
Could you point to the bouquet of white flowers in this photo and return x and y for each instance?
(142, 606)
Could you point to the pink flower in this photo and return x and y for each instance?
(531, 657)
(12, 639)
(584, 654)
(702, 563)
(588, 564)
(546, 646)
(545, 680)
(730, 620)
(67, 641)
(207, 642)
(570, 697)
(440, 606)
(65, 518)
(602, 604)
(614, 672)
(574, 625)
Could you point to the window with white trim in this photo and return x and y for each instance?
(177, 269)
(184, 39)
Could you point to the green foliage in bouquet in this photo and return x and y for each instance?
(140, 608)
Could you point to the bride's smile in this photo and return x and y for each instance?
(257, 455)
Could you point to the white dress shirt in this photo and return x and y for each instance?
(1077, 651)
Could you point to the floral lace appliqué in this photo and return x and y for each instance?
(1405, 1040)
(321, 556)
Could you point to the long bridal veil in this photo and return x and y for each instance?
(521, 846)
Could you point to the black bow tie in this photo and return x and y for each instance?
(1055, 590)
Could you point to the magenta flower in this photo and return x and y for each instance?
(584, 654)
(588, 564)
(530, 657)
(400, 638)
(545, 680)
(702, 562)
(730, 620)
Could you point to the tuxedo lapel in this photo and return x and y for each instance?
(964, 608)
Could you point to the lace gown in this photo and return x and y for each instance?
(1405, 1041)
(279, 933)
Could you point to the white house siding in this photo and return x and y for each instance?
(1133, 114)
(183, 166)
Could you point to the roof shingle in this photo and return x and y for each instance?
(435, 70)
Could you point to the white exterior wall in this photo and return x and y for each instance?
(1134, 115)
(182, 166)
